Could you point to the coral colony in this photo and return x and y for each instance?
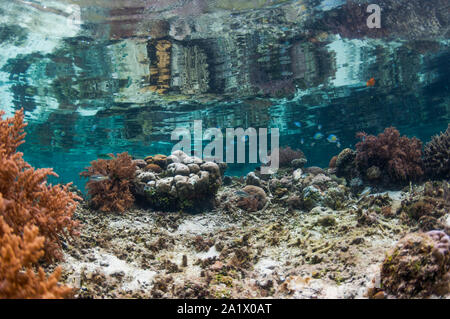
(224, 150)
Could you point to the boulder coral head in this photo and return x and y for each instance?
(418, 266)
(436, 156)
(398, 158)
(182, 182)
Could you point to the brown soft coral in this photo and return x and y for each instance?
(112, 192)
(28, 199)
(398, 158)
(18, 254)
(436, 156)
(286, 155)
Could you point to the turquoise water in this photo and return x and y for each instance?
(88, 87)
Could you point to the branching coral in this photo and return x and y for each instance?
(18, 254)
(110, 182)
(436, 155)
(398, 158)
(28, 199)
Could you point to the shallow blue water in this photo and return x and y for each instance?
(87, 89)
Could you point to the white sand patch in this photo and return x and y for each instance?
(134, 278)
(200, 224)
(130, 224)
(266, 266)
(211, 253)
(394, 195)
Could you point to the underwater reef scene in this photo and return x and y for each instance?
(314, 158)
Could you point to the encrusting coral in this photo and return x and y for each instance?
(436, 155)
(109, 182)
(18, 254)
(425, 209)
(397, 157)
(27, 198)
(418, 266)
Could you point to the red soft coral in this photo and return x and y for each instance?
(112, 192)
(18, 254)
(28, 199)
(399, 158)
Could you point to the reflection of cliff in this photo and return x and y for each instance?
(159, 52)
(195, 75)
(408, 19)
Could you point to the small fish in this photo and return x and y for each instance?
(298, 124)
(338, 144)
(94, 127)
(319, 126)
(332, 138)
(242, 194)
(98, 178)
(371, 82)
(103, 156)
(302, 141)
(318, 136)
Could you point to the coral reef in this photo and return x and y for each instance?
(183, 182)
(398, 158)
(436, 156)
(418, 266)
(28, 199)
(18, 255)
(110, 181)
(308, 236)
